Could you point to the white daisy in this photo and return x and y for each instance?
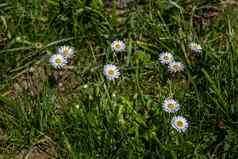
(195, 47)
(118, 46)
(66, 51)
(111, 71)
(166, 58)
(58, 61)
(175, 67)
(179, 123)
(170, 105)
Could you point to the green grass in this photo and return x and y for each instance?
(91, 117)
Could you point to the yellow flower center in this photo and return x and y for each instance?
(66, 51)
(179, 123)
(110, 72)
(176, 67)
(166, 58)
(171, 106)
(117, 45)
(58, 61)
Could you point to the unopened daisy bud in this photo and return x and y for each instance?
(170, 105)
(38, 45)
(58, 61)
(179, 123)
(77, 106)
(166, 58)
(175, 67)
(195, 47)
(66, 51)
(85, 86)
(118, 46)
(111, 71)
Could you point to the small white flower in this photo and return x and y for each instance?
(66, 51)
(118, 46)
(58, 61)
(179, 123)
(175, 67)
(166, 58)
(195, 47)
(111, 71)
(170, 105)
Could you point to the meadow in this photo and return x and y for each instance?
(142, 79)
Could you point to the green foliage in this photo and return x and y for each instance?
(121, 118)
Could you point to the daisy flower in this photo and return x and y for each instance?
(58, 61)
(195, 47)
(179, 123)
(170, 105)
(118, 46)
(175, 67)
(66, 51)
(111, 71)
(166, 58)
